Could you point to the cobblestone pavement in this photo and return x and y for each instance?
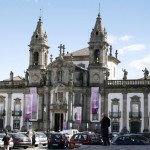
(114, 147)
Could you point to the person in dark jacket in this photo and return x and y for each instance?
(105, 124)
(6, 140)
(33, 139)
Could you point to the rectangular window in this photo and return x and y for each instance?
(115, 127)
(78, 99)
(95, 117)
(16, 124)
(60, 96)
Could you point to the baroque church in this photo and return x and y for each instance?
(72, 91)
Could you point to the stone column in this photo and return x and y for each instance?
(70, 109)
(124, 111)
(102, 101)
(146, 111)
(84, 107)
(45, 113)
(8, 109)
(40, 107)
(106, 103)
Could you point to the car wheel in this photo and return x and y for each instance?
(44, 144)
(25, 147)
(36, 145)
(63, 146)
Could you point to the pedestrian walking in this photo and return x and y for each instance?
(105, 124)
(6, 140)
(33, 139)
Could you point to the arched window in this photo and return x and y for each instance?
(96, 56)
(35, 58)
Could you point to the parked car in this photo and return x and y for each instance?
(130, 139)
(146, 134)
(67, 135)
(20, 140)
(11, 141)
(56, 139)
(37, 141)
(42, 138)
(85, 138)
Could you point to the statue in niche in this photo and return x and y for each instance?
(146, 73)
(125, 74)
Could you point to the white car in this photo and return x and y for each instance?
(42, 138)
(37, 141)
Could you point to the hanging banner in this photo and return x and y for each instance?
(28, 106)
(94, 99)
(77, 115)
(64, 125)
(33, 91)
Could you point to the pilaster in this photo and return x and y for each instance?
(9, 109)
(124, 111)
(146, 111)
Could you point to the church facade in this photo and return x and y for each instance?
(74, 90)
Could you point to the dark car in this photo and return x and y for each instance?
(130, 139)
(20, 140)
(57, 139)
(146, 134)
(85, 138)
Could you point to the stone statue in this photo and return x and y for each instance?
(125, 74)
(11, 75)
(26, 75)
(107, 74)
(146, 73)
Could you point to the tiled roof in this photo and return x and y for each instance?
(81, 52)
(17, 78)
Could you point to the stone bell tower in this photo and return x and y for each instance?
(38, 55)
(98, 58)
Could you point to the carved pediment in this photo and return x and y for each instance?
(135, 98)
(59, 87)
(59, 63)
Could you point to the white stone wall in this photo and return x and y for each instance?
(112, 67)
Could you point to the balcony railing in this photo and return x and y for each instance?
(122, 83)
(17, 113)
(115, 114)
(2, 112)
(135, 114)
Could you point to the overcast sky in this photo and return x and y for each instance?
(70, 22)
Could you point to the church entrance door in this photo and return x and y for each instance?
(58, 124)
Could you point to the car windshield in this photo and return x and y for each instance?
(40, 134)
(19, 135)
